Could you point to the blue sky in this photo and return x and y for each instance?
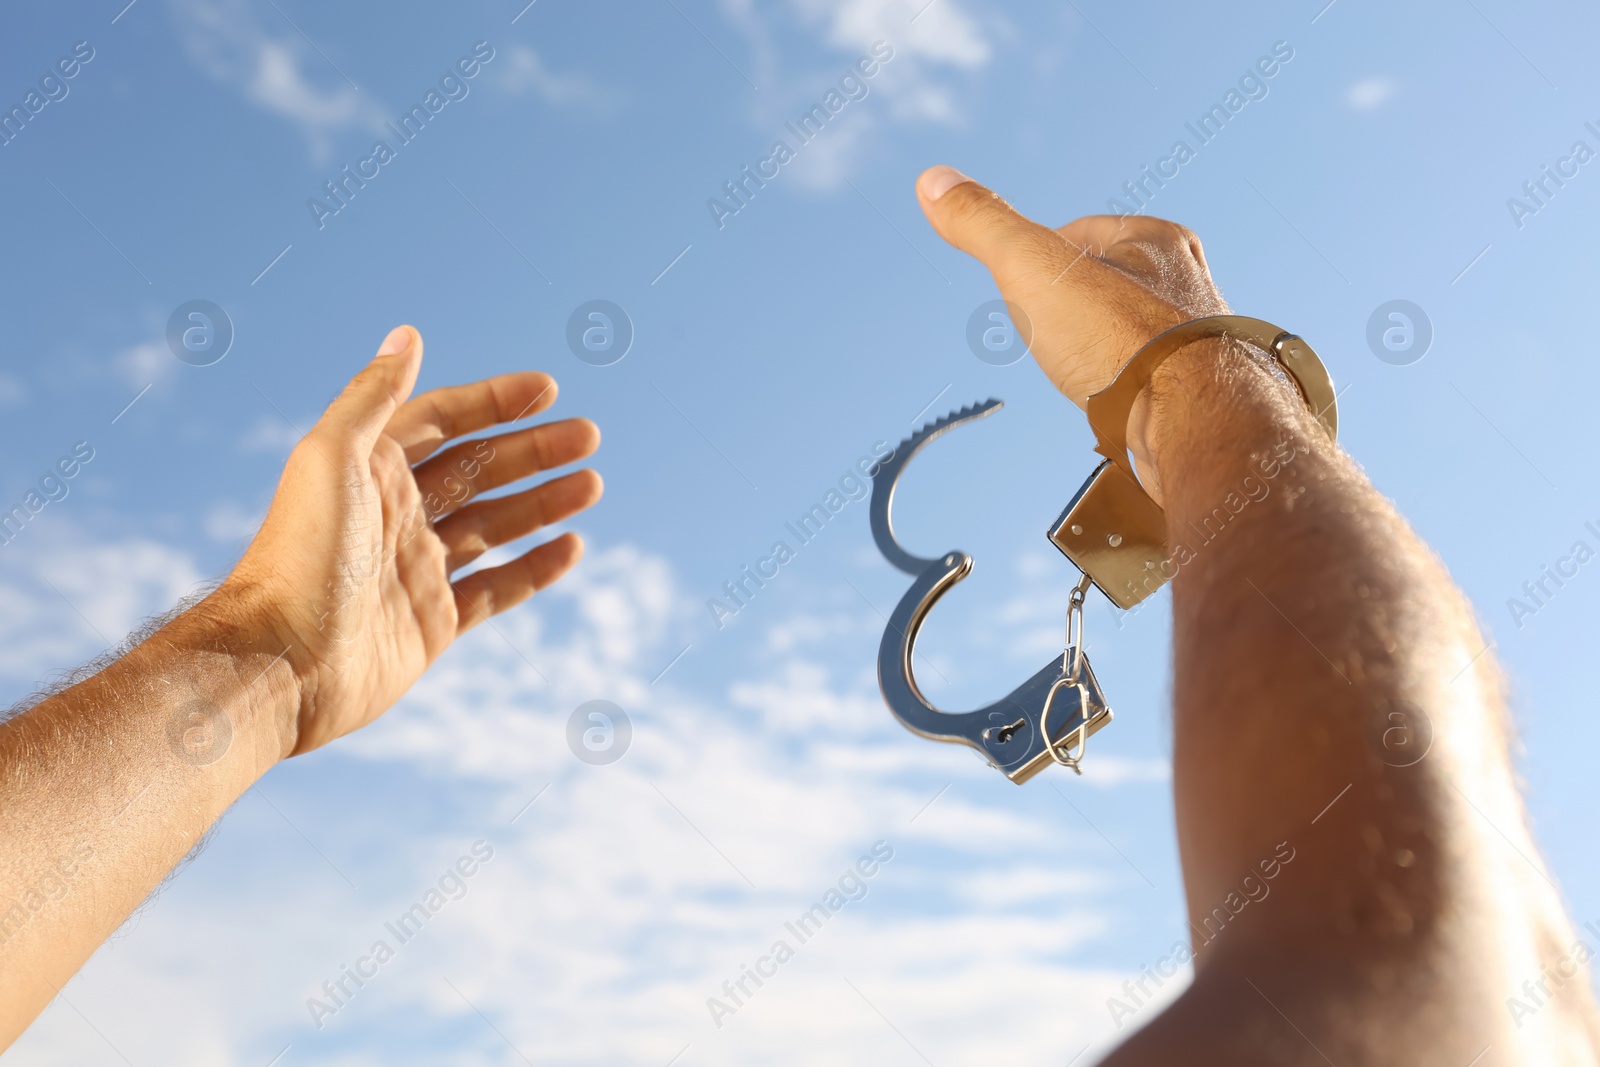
(770, 354)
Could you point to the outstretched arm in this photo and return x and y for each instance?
(1319, 644)
(339, 604)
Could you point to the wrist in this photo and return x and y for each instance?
(1199, 401)
(237, 627)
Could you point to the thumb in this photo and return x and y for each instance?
(359, 414)
(981, 224)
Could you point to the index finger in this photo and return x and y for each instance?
(425, 422)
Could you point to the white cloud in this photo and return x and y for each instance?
(619, 902)
(64, 598)
(229, 522)
(115, 585)
(143, 364)
(268, 62)
(934, 58)
(1105, 770)
(804, 629)
(942, 38)
(520, 70)
(827, 161)
(12, 391)
(1370, 93)
(273, 435)
(274, 68)
(1021, 885)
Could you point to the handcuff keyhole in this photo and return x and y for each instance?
(1005, 733)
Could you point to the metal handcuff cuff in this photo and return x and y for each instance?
(1111, 530)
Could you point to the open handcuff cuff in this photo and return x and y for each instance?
(1111, 530)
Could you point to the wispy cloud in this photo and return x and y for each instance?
(267, 60)
(139, 365)
(521, 70)
(932, 41)
(12, 391)
(272, 434)
(1369, 94)
(619, 902)
(230, 523)
(65, 598)
(938, 48)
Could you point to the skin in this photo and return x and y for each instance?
(340, 603)
(1415, 903)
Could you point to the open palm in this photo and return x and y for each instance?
(378, 507)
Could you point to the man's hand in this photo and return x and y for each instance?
(374, 513)
(1090, 293)
(1093, 291)
(341, 601)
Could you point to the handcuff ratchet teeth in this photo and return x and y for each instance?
(1009, 733)
(1111, 530)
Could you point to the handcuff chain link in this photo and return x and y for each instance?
(1072, 651)
(1071, 668)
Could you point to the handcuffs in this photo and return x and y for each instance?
(1111, 530)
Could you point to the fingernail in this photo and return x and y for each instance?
(936, 181)
(398, 341)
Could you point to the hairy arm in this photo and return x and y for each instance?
(106, 786)
(1361, 884)
(341, 601)
(1332, 692)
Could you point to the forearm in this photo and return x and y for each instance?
(1299, 616)
(106, 786)
(1308, 615)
